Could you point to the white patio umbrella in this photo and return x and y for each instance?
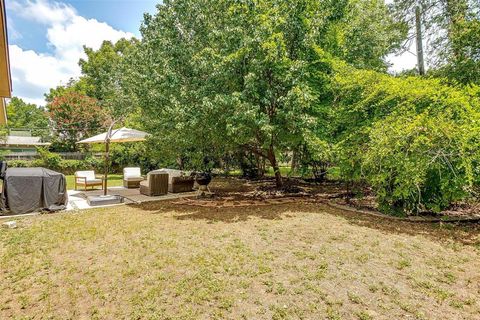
(114, 135)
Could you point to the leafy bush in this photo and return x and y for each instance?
(49, 159)
(419, 162)
(416, 141)
(316, 157)
(134, 154)
(19, 163)
(121, 156)
(55, 162)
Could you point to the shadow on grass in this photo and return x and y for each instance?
(227, 215)
(465, 234)
(442, 232)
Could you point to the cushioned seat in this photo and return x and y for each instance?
(89, 181)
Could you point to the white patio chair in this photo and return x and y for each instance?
(88, 179)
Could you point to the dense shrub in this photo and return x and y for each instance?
(133, 155)
(419, 162)
(55, 162)
(416, 141)
(70, 166)
(19, 163)
(315, 157)
(49, 159)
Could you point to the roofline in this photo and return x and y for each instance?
(8, 93)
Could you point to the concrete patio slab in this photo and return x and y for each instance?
(77, 199)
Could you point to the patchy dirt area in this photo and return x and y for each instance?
(239, 193)
(233, 192)
(296, 260)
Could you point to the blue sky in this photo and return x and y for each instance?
(123, 15)
(46, 38)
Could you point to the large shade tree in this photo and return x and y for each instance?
(215, 76)
(103, 73)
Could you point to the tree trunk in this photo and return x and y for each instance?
(260, 165)
(273, 162)
(418, 24)
(294, 161)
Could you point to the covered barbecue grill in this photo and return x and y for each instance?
(33, 189)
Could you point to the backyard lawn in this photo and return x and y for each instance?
(300, 260)
(114, 180)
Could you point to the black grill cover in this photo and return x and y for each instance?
(33, 189)
(3, 169)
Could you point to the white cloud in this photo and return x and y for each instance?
(44, 11)
(34, 73)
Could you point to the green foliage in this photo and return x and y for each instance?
(134, 155)
(100, 68)
(422, 161)
(75, 116)
(55, 162)
(3, 153)
(20, 163)
(464, 66)
(49, 159)
(3, 133)
(104, 73)
(27, 116)
(361, 32)
(73, 86)
(219, 77)
(70, 166)
(414, 140)
(315, 156)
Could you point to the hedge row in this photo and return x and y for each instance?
(66, 167)
(120, 157)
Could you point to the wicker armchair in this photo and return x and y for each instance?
(181, 184)
(156, 184)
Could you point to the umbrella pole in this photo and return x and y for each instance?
(105, 175)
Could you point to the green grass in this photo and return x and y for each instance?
(114, 180)
(284, 170)
(161, 260)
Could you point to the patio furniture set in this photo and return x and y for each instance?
(156, 183)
